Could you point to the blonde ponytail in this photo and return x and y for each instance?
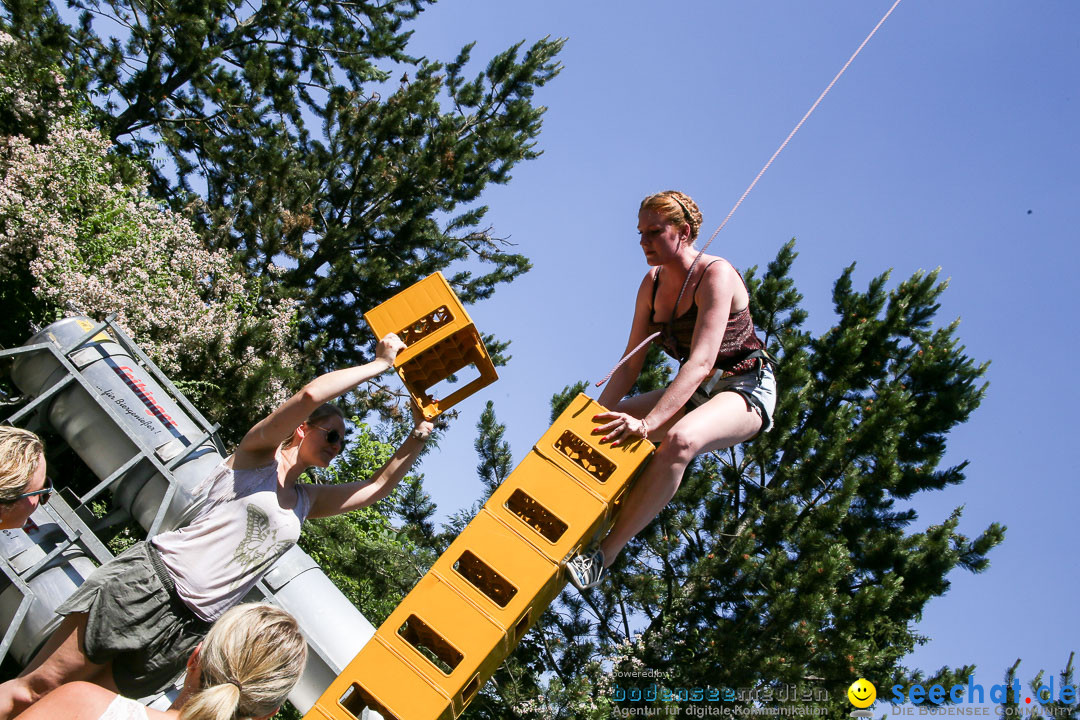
(217, 702)
(248, 664)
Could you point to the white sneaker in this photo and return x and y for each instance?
(586, 571)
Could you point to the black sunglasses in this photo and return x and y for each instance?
(43, 492)
(332, 436)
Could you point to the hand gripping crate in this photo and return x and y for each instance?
(440, 340)
(603, 470)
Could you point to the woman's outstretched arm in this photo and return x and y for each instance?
(262, 440)
(327, 500)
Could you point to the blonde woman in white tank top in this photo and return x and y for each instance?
(246, 667)
(188, 578)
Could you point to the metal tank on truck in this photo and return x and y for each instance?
(42, 590)
(145, 422)
(150, 449)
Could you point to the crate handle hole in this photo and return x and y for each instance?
(522, 624)
(470, 690)
(430, 644)
(536, 516)
(356, 700)
(485, 579)
(421, 328)
(584, 456)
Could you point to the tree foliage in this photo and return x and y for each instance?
(1052, 700)
(303, 133)
(80, 233)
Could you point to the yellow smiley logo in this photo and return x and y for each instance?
(862, 693)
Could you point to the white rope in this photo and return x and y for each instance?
(800, 123)
(752, 184)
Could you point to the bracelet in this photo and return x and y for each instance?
(644, 430)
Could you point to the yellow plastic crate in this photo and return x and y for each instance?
(507, 578)
(606, 471)
(381, 680)
(440, 340)
(547, 507)
(446, 638)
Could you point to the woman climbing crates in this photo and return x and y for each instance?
(698, 308)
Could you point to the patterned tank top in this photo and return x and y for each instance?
(739, 337)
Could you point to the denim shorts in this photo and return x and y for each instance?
(757, 387)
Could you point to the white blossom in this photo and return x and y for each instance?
(104, 247)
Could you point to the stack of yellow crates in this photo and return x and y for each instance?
(447, 637)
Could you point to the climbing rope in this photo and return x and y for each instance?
(750, 187)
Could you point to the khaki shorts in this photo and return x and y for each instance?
(136, 622)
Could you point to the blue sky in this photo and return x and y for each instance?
(949, 143)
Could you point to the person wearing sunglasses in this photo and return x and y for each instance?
(131, 626)
(23, 484)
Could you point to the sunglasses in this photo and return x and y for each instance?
(333, 437)
(43, 492)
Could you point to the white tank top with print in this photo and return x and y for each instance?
(233, 540)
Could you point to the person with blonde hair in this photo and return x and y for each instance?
(245, 668)
(724, 392)
(135, 620)
(23, 483)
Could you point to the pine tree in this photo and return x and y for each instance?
(496, 461)
(1055, 698)
(794, 559)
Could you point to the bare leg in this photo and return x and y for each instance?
(60, 660)
(723, 421)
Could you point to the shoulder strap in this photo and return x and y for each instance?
(700, 277)
(655, 283)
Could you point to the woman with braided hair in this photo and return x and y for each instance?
(724, 392)
(246, 667)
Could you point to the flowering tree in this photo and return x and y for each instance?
(307, 131)
(31, 94)
(79, 233)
